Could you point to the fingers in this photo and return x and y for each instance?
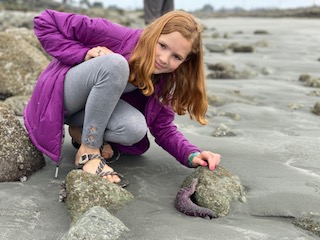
(96, 52)
(100, 51)
(207, 158)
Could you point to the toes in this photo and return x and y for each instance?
(113, 178)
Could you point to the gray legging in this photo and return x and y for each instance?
(92, 93)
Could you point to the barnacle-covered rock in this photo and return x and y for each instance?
(310, 223)
(18, 156)
(85, 190)
(97, 223)
(216, 190)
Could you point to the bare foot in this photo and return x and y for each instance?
(75, 133)
(106, 151)
(91, 166)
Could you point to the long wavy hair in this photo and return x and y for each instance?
(184, 88)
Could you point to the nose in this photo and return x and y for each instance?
(164, 58)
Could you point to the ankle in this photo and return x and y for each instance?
(85, 149)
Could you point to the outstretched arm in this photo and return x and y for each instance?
(173, 141)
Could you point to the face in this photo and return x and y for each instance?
(171, 51)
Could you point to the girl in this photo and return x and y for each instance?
(111, 84)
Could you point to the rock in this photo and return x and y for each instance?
(20, 65)
(28, 36)
(310, 223)
(267, 71)
(304, 77)
(18, 156)
(223, 131)
(236, 47)
(314, 82)
(216, 190)
(234, 116)
(262, 43)
(222, 70)
(17, 19)
(315, 93)
(17, 103)
(295, 106)
(97, 224)
(260, 32)
(316, 108)
(310, 81)
(216, 47)
(214, 100)
(85, 190)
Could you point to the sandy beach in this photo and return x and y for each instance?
(275, 152)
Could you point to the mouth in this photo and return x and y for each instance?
(158, 66)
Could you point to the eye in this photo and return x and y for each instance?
(162, 45)
(177, 57)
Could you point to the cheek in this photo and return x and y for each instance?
(175, 65)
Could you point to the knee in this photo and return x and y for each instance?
(119, 63)
(135, 133)
(116, 67)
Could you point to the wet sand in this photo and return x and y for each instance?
(275, 151)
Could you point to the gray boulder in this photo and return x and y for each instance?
(85, 190)
(97, 224)
(17, 103)
(18, 156)
(20, 65)
(216, 189)
(28, 36)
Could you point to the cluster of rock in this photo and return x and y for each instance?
(314, 82)
(22, 57)
(91, 202)
(227, 70)
(303, 12)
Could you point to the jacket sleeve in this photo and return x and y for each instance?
(68, 36)
(170, 138)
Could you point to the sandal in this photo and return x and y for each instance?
(113, 158)
(99, 171)
(75, 144)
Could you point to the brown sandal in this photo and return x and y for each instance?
(99, 171)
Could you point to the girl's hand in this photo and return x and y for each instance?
(96, 52)
(206, 158)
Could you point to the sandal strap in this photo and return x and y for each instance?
(107, 173)
(114, 157)
(101, 165)
(123, 182)
(87, 157)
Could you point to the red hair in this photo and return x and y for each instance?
(184, 89)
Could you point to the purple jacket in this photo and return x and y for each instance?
(68, 37)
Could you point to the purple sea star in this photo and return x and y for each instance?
(185, 205)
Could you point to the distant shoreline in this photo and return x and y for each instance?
(206, 12)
